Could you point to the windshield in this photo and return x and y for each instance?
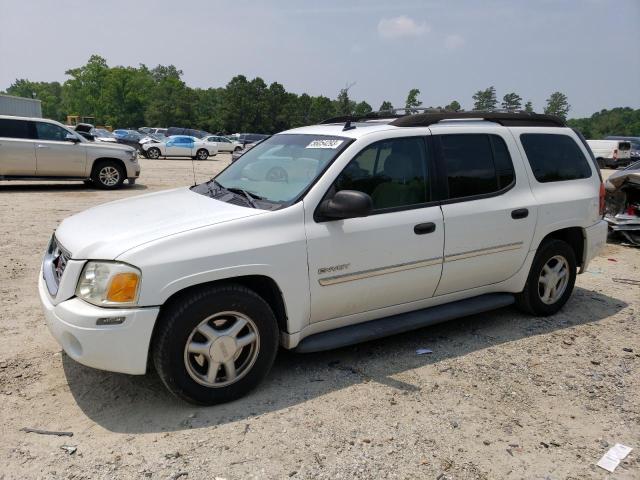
(281, 167)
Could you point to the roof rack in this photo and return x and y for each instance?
(430, 116)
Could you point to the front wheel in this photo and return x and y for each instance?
(153, 153)
(551, 279)
(202, 154)
(108, 175)
(215, 344)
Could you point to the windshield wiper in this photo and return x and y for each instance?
(248, 195)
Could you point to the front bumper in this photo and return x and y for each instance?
(116, 348)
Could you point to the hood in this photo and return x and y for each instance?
(106, 231)
(109, 146)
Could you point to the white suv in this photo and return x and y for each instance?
(325, 236)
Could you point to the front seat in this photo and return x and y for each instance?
(403, 183)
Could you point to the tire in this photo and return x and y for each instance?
(202, 154)
(237, 149)
(552, 254)
(88, 183)
(153, 153)
(107, 175)
(186, 373)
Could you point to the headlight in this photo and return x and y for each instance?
(109, 284)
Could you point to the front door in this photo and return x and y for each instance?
(489, 210)
(391, 257)
(55, 155)
(180, 147)
(17, 147)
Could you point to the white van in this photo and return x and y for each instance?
(611, 153)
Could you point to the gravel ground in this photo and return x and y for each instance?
(503, 395)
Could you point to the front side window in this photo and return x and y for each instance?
(282, 167)
(475, 164)
(49, 131)
(554, 157)
(10, 128)
(392, 172)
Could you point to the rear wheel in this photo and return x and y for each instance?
(216, 344)
(107, 175)
(551, 279)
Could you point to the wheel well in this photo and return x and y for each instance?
(98, 161)
(264, 286)
(574, 237)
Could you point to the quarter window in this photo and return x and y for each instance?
(49, 131)
(14, 128)
(393, 172)
(475, 164)
(554, 158)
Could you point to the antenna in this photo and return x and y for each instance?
(193, 169)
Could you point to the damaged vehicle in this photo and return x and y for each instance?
(623, 203)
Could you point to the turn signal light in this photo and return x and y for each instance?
(123, 287)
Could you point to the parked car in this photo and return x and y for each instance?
(40, 149)
(611, 153)
(224, 144)
(634, 153)
(247, 138)
(172, 131)
(129, 137)
(102, 135)
(180, 146)
(207, 281)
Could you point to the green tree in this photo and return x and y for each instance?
(362, 109)
(528, 107)
(49, 93)
(485, 100)
(386, 106)
(412, 101)
(557, 104)
(617, 121)
(344, 104)
(82, 93)
(454, 106)
(321, 109)
(511, 102)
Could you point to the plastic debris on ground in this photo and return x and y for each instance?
(613, 457)
(423, 351)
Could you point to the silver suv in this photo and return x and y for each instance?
(40, 149)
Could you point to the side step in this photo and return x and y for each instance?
(404, 322)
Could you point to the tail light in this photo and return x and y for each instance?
(615, 154)
(602, 198)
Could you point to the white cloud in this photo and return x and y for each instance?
(401, 26)
(454, 41)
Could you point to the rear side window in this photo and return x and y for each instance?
(14, 128)
(475, 164)
(554, 157)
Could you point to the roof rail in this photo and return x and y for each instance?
(429, 116)
(506, 119)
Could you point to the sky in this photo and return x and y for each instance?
(449, 49)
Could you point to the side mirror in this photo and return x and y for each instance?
(70, 137)
(346, 204)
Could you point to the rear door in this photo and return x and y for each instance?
(17, 147)
(55, 155)
(489, 210)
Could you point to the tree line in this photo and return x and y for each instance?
(137, 96)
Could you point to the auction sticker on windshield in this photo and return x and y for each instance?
(332, 144)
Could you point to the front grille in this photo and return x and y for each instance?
(55, 262)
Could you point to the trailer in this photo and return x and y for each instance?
(20, 106)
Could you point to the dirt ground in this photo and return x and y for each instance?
(503, 395)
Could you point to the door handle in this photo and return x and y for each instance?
(42, 146)
(423, 228)
(520, 213)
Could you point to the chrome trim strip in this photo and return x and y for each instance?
(483, 251)
(375, 272)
